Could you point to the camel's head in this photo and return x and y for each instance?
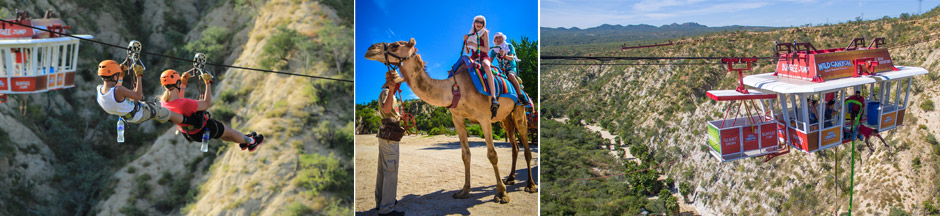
(395, 51)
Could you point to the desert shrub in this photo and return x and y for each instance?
(927, 105)
(298, 208)
(324, 173)
(212, 43)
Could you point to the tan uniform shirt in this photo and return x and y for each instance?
(394, 115)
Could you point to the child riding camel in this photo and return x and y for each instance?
(113, 97)
(174, 100)
(477, 44)
(505, 55)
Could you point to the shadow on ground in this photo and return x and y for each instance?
(475, 144)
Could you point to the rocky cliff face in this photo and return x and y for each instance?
(61, 158)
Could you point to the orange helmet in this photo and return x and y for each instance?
(108, 68)
(169, 77)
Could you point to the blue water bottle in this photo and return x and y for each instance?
(120, 130)
(205, 140)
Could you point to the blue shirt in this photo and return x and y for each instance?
(498, 62)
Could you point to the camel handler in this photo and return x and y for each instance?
(390, 133)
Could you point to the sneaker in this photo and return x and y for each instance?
(393, 213)
(494, 107)
(259, 138)
(244, 146)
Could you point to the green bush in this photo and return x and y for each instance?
(344, 9)
(274, 55)
(895, 211)
(212, 43)
(131, 210)
(927, 105)
(223, 113)
(440, 131)
(298, 208)
(931, 139)
(475, 130)
(318, 173)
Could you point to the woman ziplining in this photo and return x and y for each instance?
(174, 99)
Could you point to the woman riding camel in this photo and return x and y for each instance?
(113, 97)
(477, 44)
(505, 55)
(174, 100)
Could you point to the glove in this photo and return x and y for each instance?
(185, 77)
(139, 70)
(206, 78)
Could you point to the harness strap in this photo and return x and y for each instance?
(133, 112)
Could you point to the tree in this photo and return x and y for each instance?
(528, 51)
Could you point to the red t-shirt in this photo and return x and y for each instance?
(183, 106)
(858, 98)
(865, 131)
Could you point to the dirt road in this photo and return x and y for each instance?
(432, 170)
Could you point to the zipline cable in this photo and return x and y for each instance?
(608, 58)
(633, 64)
(174, 57)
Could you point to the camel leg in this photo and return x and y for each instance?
(487, 126)
(510, 134)
(465, 154)
(522, 127)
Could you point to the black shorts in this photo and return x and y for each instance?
(216, 129)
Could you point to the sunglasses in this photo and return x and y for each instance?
(478, 21)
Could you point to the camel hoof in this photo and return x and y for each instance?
(532, 188)
(509, 181)
(462, 194)
(501, 198)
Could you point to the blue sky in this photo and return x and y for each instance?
(438, 28)
(590, 13)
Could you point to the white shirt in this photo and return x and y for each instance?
(112, 106)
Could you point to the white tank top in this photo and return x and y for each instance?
(111, 106)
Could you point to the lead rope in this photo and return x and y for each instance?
(855, 127)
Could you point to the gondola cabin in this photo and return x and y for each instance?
(811, 102)
(748, 133)
(816, 114)
(34, 61)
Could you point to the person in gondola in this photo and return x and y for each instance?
(830, 113)
(854, 109)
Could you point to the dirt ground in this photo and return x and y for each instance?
(431, 171)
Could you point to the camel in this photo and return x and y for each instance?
(472, 105)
